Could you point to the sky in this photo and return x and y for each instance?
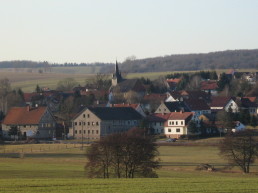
(89, 31)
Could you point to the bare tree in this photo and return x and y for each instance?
(100, 81)
(5, 89)
(240, 149)
(125, 155)
(66, 84)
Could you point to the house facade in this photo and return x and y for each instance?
(177, 124)
(37, 123)
(95, 122)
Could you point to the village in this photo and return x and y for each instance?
(204, 108)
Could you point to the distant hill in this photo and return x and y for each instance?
(239, 59)
(214, 60)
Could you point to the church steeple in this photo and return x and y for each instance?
(116, 76)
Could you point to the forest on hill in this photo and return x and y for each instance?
(238, 59)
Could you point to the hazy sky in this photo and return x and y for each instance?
(103, 30)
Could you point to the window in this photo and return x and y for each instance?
(75, 123)
(84, 132)
(97, 123)
(182, 122)
(83, 115)
(92, 123)
(172, 122)
(178, 130)
(88, 115)
(169, 130)
(92, 131)
(88, 123)
(80, 123)
(176, 123)
(97, 132)
(80, 131)
(84, 123)
(75, 131)
(88, 131)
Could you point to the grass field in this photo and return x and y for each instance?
(27, 81)
(60, 168)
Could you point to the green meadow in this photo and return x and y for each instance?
(60, 168)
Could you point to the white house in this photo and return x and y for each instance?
(177, 123)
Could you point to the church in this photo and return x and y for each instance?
(125, 90)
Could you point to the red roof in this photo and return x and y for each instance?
(134, 106)
(220, 101)
(154, 96)
(252, 99)
(174, 80)
(24, 116)
(197, 104)
(158, 117)
(209, 85)
(180, 115)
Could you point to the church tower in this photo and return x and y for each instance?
(116, 77)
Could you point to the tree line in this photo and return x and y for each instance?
(214, 60)
(184, 62)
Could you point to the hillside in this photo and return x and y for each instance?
(216, 60)
(239, 59)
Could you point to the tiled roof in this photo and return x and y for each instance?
(154, 96)
(209, 85)
(23, 116)
(180, 115)
(134, 106)
(158, 117)
(219, 101)
(197, 104)
(252, 99)
(190, 94)
(177, 106)
(116, 113)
